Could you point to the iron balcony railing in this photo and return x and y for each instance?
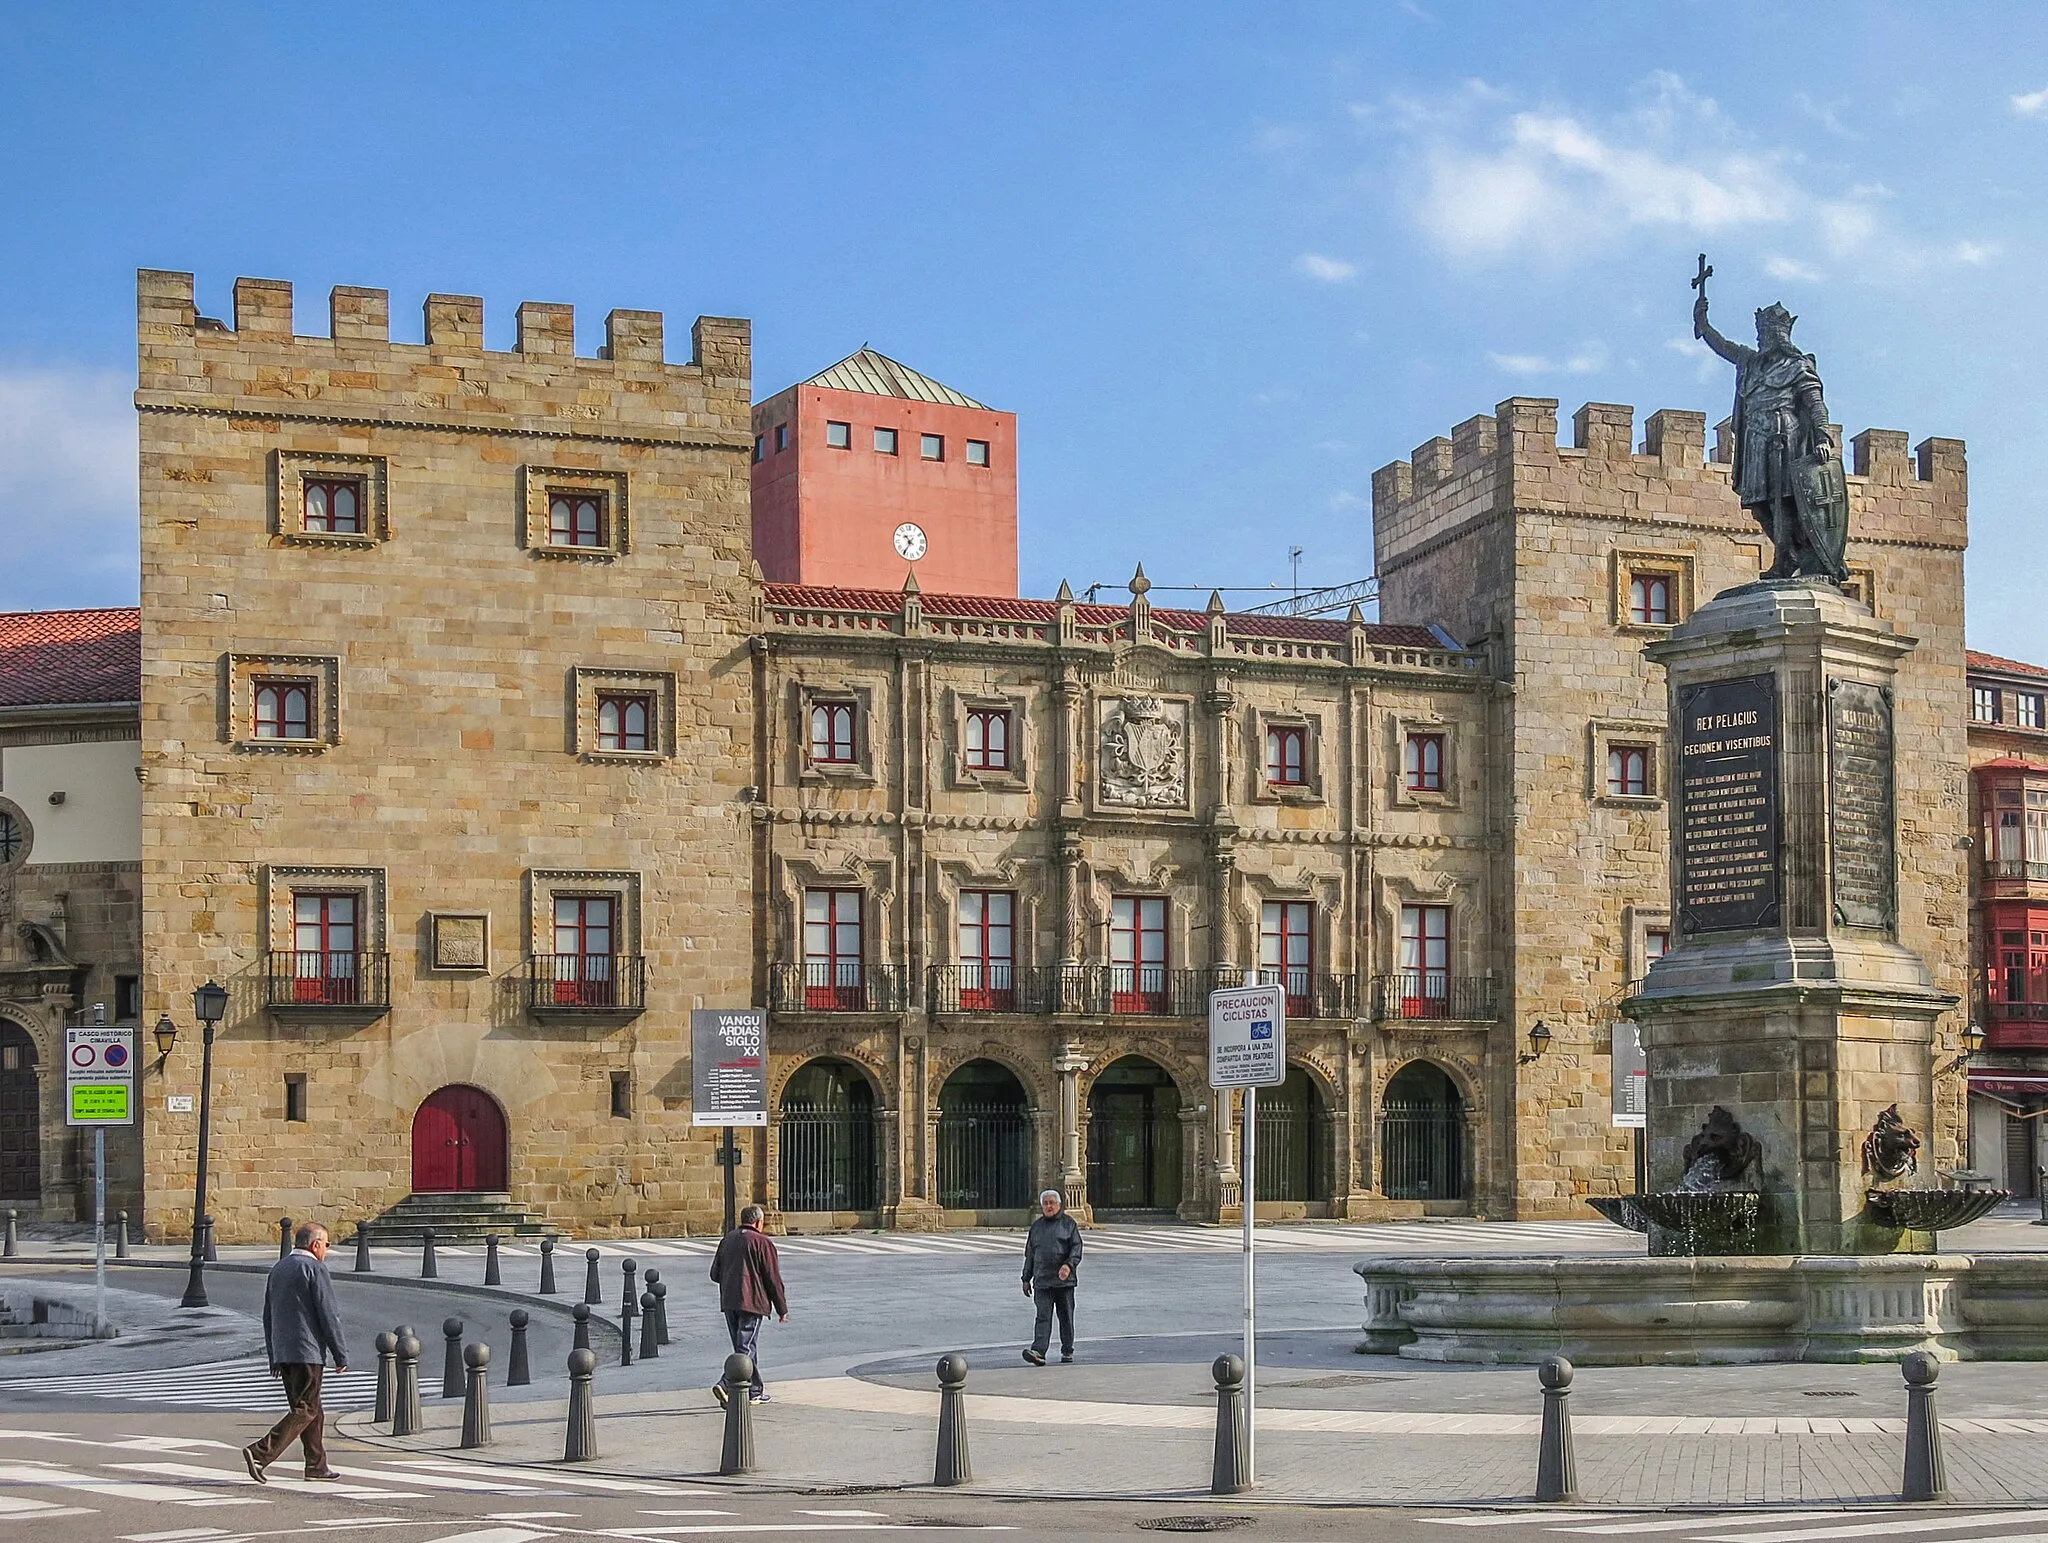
(841, 986)
(302, 978)
(2009, 868)
(1112, 990)
(586, 983)
(992, 988)
(1309, 994)
(1434, 994)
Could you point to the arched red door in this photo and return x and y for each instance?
(458, 1143)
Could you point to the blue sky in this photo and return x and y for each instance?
(1221, 260)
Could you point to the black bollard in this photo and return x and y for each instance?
(518, 1374)
(212, 1253)
(406, 1416)
(581, 1445)
(1556, 1475)
(629, 1296)
(12, 1246)
(491, 1275)
(387, 1376)
(1227, 1472)
(476, 1399)
(737, 1455)
(284, 1237)
(1926, 1478)
(626, 1332)
(429, 1268)
(650, 1347)
(953, 1466)
(121, 1235)
(593, 1291)
(581, 1312)
(451, 1362)
(661, 1312)
(547, 1267)
(362, 1250)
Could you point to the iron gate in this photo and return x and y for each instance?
(1293, 1152)
(984, 1158)
(827, 1158)
(1422, 1151)
(1133, 1154)
(21, 1125)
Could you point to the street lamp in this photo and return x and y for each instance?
(1539, 1040)
(209, 1006)
(166, 1036)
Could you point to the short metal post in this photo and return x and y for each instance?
(406, 1417)
(429, 1269)
(737, 1455)
(626, 1332)
(2041, 1189)
(952, 1465)
(580, 1446)
(1556, 1475)
(212, 1255)
(476, 1399)
(1227, 1473)
(362, 1250)
(1926, 1479)
(593, 1292)
(451, 1361)
(12, 1246)
(650, 1346)
(121, 1235)
(519, 1373)
(661, 1312)
(387, 1376)
(581, 1312)
(629, 1296)
(547, 1267)
(284, 1237)
(491, 1275)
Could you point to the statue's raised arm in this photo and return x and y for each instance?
(1706, 332)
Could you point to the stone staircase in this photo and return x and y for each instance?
(454, 1219)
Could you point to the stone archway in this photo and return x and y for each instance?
(459, 1143)
(828, 1134)
(1293, 1141)
(21, 1118)
(985, 1158)
(1134, 1139)
(1425, 1142)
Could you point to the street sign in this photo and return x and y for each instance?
(1248, 1037)
(1629, 1074)
(729, 1066)
(99, 1074)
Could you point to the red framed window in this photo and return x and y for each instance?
(987, 950)
(625, 721)
(576, 519)
(1137, 954)
(586, 949)
(834, 979)
(832, 733)
(988, 739)
(1656, 944)
(1422, 763)
(1628, 771)
(1649, 599)
(1287, 951)
(1425, 979)
(333, 506)
(1287, 756)
(283, 709)
(325, 963)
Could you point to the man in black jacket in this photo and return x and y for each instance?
(1052, 1263)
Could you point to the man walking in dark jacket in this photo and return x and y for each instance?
(301, 1328)
(1052, 1264)
(749, 1277)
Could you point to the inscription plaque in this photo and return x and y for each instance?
(1728, 804)
(1861, 817)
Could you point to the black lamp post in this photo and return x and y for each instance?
(209, 1006)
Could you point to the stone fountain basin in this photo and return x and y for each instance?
(1718, 1210)
(1932, 1210)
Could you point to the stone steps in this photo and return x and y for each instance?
(454, 1219)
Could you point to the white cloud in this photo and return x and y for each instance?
(1791, 269)
(1707, 364)
(67, 489)
(2033, 104)
(1974, 253)
(1344, 498)
(1586, 359)
(1327, 270)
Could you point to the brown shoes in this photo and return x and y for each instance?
(255, 1468)
(324, 1476)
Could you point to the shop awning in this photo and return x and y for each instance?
(2000, 1083)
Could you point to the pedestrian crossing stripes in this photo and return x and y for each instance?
(244, 1387)
(1830, 1526)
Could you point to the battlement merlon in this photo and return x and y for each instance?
(1512, 461)
(188, 360)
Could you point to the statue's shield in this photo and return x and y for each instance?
(1820, 492)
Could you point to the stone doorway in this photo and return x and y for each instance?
(459, 1144)
(984, 1141)
(827, 1147)
(21, 1135)
(1423, 1141)
(1134, 1141)
(1294, 1141)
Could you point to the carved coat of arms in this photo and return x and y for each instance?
(1144, 753)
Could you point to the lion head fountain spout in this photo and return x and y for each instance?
(1890, 1152)
(1711, 1211)
(1719, 1155)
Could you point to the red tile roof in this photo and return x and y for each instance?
(55, 658)
(1993, 663)
(1311, 629)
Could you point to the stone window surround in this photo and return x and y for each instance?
(873, 877)
(290, 470)
(543, 885)
(1638, 922)
(1016, 778)
(541, 481)
(861, 769)
(1397, 891)
(1422, 721)
(1310, 789)
(1675, 566)
(240, 674)
(1603, 734)
(282, 882)
(1323, 894)
(438, 957)
(1026, 886)
(586, 682)
(1863, 581)
(1102, 887)
(28, 835)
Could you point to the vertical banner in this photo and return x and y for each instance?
(729, 1066)
(1630, 1076)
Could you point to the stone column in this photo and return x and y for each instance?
(1069, 1062)
(1223, 1143)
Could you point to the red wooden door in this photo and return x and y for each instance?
(458, 1143)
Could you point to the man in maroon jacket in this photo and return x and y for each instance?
(749, 1280)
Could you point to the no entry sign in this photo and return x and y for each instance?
(99, 1074)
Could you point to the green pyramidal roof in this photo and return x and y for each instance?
(879, 375)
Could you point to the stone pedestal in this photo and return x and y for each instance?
(1787, 999)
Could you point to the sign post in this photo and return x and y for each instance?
(99, 1090)
(1248, 1049)
(729, 1082)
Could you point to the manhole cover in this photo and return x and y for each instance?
(1194, 1523)
(1340, 1380)
(850, 1489)
(1829, 1393)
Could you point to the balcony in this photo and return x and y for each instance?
(1433, 995)
(992, 988)
(1309, 995)
(586, 988)
(843, 987)
(343, 987)
(1121, 990)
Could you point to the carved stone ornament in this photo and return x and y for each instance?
(1720, 1154)
(1890, 1151)
(1144, 753)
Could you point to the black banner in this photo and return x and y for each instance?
(1728, 876)
(729, 1066)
